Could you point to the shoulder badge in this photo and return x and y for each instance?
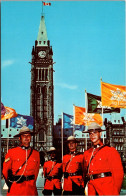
(8, 159)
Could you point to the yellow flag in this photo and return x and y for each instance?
(83, 118)
(113, 95)
(91, 117)
(78, 116)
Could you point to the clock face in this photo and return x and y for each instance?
(42, 54)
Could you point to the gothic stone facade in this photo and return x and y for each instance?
(41, 105)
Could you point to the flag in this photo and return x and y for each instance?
(89, 118)
(95, 105)
(83, 118)
(45, 3)
(7, 112)
(3, 110)
(67, 121)
(78, 115)
(113, 95)
(22, 120)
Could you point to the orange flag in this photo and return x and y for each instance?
(113, 95)
(10, 113)
(83, 118)
(78, 117)
(92, 117)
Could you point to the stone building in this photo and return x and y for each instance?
(42, 90)
(116, 135)
(7, 139)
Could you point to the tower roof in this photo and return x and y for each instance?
(42, 34)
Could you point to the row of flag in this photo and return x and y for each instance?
(113, 97)
(16, 120)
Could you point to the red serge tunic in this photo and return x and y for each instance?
(13, 160)
(106, 159)
(53, 170)
(73, 163)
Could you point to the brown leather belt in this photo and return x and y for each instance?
(101, 175)
(52, 177)
(21, 179)
(78, 173)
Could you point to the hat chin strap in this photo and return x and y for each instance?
(73, 152)
(98, 145)
(25, 148)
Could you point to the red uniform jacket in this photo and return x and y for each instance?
(71, 165)
(106, 160)
(52, 172)
(13, 160)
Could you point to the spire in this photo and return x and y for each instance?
(42, 34)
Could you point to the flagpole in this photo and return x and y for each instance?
(8, 126)
(102, 116)
(86, 113)
(42, 8)
(73, 119)
(62, 135)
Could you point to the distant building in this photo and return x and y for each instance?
(116, 135)
(7, 140)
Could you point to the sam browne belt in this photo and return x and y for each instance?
(52, 177)
(23, 178)
(95, 176)
(66, 174)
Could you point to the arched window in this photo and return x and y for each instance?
(39, 74)
(46, 74)
(38, 89)
(114, 132)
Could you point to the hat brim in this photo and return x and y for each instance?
(76, 141)
(51, 151)
(88, 131)
(19, 134)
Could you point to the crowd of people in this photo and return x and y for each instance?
(97, 171)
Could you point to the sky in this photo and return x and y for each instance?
(88, 42)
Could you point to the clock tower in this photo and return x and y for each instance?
(41, 102)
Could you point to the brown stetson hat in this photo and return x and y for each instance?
(52, 149)
(24, 130)
(72, 138)
(93, 126)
